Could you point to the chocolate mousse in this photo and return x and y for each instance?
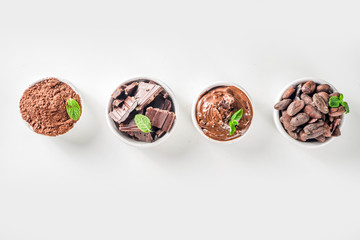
(215, 108)
(143, 97)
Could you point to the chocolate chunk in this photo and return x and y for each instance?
(130, 89)
(161, 119)
(159, 133)
(169, 122)
(146, 93)
(146, 137)
(116, 103)
(117, 93)
(167, 105)
(129, 127)
(120, 114)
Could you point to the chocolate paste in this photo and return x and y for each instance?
(215, 108)
(43, 106)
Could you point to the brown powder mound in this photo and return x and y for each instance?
(43, 106)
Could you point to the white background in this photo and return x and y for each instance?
(90, 185)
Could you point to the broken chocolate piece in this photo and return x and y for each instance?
(130, 89)
(146, 93)
(116, 103)
(120, 114)
(117, 93)
(169, 122)
(146, 137)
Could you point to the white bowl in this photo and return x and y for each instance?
(193, 111)
(279, 125)
(134, 142)
(75, 90)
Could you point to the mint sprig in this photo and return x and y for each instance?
(335, 102)
(143, 123)
(73, 109)
(234, 121)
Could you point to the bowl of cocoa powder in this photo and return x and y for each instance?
(303, 114)
(45, 107)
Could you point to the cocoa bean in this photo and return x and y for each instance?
(306, 98)
(325, 96)
(299, 119)
(320, 103)
(302, 136)
(313, 120)
(335, 124)
(288, 92)
(308, 87)
(334, 94)
(337, 132)
(323, 88)
(294, 135)
(315, 133)
(327, 131)
(283, 104)
(310, 128)
(312, 112)
(321, 139)
(298, 91)
(285, 119)
(336, 112)
(295, 107)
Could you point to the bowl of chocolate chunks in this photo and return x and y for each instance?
(310, 112)
(142, 112)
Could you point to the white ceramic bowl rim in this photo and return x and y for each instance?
(277, 118)
(134, 142)
(209, 87)
(75, 90)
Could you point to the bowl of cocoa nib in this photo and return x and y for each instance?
(142, 112)
(310, 112)
(222, 112)
(50, 107)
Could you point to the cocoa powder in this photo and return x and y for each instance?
(43, 106)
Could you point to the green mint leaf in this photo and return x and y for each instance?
(232, 127)
(346, 106)
(334, 102)
(234, 121)
(73, 109)
(237, 116)
(143, 123)
(341, 97)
